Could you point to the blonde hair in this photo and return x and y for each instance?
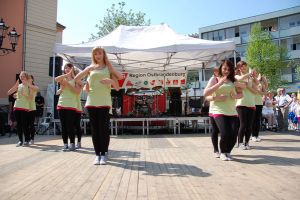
(96, 49)
(26, 74)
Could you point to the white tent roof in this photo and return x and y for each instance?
(150, 47)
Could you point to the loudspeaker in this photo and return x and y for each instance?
(175, 92)
(56, 116)
(58, 64)
(175, 107)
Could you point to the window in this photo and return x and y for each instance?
(229, 33)
(210, 35)
(204, 36)
(236, 32)
(298, 23)
(292, 24)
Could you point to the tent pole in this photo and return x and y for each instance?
(234, 56)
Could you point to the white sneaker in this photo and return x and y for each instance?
(223, 157)
(78, 145)
(217, 155)
(247, 147)
(31, 142)
(229, 156)
(65, 148)
(258, 139)
(25, 144)
(19, 144)
(102, 160)
(72, 147)
(242, 146)
(97, 160)
(254, 139)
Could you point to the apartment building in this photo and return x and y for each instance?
(36, 21)
(282, 25)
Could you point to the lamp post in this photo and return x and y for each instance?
(12, 36)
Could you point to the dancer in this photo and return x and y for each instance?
(245, 106)
(21, 107)
(262, 86)
(101, 75)
(224, 112)
(67, 105)
(32, 108)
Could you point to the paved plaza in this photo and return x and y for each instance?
(151, 167)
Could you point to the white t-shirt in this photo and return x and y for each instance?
(283, 100)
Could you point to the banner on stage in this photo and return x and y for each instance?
(150, 79)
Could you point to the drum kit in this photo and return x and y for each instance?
(143, 101)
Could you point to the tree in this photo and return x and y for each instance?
(117, 16)
(265, 56)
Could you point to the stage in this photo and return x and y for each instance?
(172, 122)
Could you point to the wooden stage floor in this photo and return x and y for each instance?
(151, 167)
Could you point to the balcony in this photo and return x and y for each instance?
(294, 54)
(274, 34)
(236, 40)
(291, 31)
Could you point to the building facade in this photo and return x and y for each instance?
(282, 25)
(35, 20)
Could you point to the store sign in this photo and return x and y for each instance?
(150, 79)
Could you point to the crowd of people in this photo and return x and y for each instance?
(239, 99)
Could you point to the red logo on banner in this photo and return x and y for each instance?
(121, 82)
(182, 81)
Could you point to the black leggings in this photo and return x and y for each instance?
(228, 126)
(246, 116)
(99, 120)
(257, 120)
(31, 119)
(67, 120)
(214, 134)
(77, 126)
(22, 125)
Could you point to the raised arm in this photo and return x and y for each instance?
(83, 74)
(13, 88)
(213, 85)
(113, 72)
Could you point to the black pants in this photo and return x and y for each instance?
(67, 120)
(77, 126)
(22, 125)
(31, 119)
(99, 121)
(228, 126)
(214, 134)
(246, 116)
(257, 120)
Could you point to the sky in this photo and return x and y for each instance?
(183, 16)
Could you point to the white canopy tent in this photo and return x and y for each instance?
(155, 47)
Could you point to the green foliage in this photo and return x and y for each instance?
(116, 17)
(265, 56)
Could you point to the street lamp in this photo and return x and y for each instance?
(12, 36)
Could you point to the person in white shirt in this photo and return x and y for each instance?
(283, 102)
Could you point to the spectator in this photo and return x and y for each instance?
(283, 101)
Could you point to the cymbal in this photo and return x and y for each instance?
(131, 91)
